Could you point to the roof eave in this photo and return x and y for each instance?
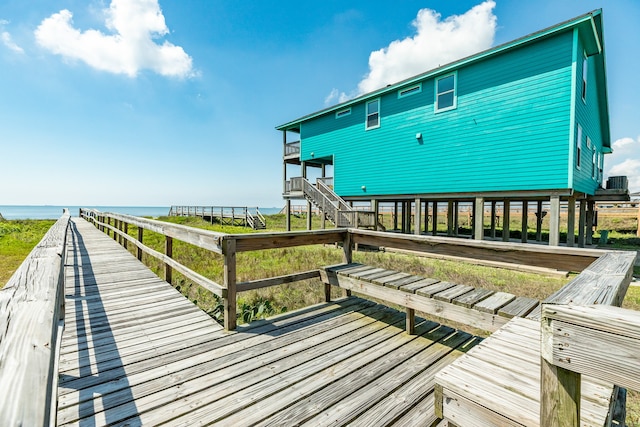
(586, 18)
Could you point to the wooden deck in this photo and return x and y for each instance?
(134, 352)
(498, 383)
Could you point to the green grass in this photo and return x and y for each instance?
(17, 239)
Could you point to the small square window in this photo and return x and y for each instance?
(373, 114)
(446, 93)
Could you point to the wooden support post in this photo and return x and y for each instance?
(116, 225)
(417, 218)
(525, 225)
(309, 215)
(347, 255)
(411, 321)
(395, 215)
(126, 231)
(140, 237)
(456, 218)
(506, 213)
(434, 218)
(375, 207)
(426, 217)
(450, 218)
(591, 215)
(168, 251)
(554, 221)
(229, 252)
(560, 393)
(493, 219)
(539, 217)
(571, 222)
(638, 232)
(478, 219)
(288, 214)
(581, 222)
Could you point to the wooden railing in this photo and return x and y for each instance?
(599, 341)
(31, 323)
(228, 245)
(581, 338)
(291, 148)
(251, 217)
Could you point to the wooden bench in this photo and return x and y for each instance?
(498, 382)
(477, 307)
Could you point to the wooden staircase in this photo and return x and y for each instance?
(333, 206)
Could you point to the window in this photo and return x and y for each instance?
(343, 113)
(593, 159)
(373, 114)
(600, 167)
(584, 77)
(578, 146)
(410, 90)
(446, 93)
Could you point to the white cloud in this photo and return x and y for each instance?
(134, 24)
(7, 40)
(625, 160)
(436, 42)
(9, 43)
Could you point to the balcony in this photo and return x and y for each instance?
(292, 150)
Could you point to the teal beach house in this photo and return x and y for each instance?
(523, 124)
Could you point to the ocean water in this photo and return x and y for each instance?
(54, 212)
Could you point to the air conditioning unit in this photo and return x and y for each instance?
(617, 183)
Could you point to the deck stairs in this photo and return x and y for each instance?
(333, 206)
(256, 220)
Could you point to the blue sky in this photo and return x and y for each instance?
(147, 102)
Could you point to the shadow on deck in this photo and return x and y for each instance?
(135, 352)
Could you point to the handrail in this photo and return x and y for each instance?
(31, 322)
(599, 341)
(222, 212)
(332, 196)
(292, 148)
(226, 244)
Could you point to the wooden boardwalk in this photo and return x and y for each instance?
(136, 352)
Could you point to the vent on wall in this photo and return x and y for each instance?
(617, 183)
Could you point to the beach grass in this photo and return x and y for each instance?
(17, 239)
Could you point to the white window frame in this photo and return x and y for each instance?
(578, 147)
(585, 69)
(600, 157)
(593, 159)
(454, 90)
(343, 113)
(367, 114)
(411, 90)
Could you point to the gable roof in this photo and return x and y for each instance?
(590, 24)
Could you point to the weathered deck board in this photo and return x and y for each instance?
(503, 374)
(136, 352)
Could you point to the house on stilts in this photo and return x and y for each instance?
(522, 124)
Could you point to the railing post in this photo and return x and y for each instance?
(560, 389)
(116, 225)
(126, 231)
(347, 257)
(168, 251)
(229, 250)
(140, 237)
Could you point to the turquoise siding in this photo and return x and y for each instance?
(587, 116)
(511, 131)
